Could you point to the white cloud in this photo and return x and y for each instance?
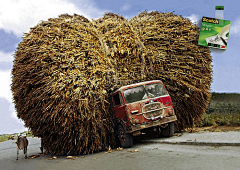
(235, 28)
(6, 93)
(126, 7)
(194, 18)
(5, 82)
(5, 90)
(18, 16)
(6, 57)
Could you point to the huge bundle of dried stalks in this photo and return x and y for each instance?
(60, 77)
(65, 67)
(123, 47)
(185, 68)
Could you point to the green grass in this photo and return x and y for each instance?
(220, 120)
(4, 138)
(11, 136)
(223, 110)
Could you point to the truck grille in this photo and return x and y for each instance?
(153, 110)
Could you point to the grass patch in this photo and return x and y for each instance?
(219, 120)
(12, 136)
(4, 138)
(223, 110)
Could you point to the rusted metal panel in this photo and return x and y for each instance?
(152, 124)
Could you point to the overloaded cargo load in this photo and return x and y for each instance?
(59, 86)
(65, 68)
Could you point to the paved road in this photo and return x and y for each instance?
(231, 138)
(141, 157)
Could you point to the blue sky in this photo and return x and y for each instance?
(18, 16)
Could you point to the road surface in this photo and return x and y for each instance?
(148, 156)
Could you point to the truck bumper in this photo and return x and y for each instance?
(149, 124)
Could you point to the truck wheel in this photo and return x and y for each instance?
(125, 139)
(168, 131)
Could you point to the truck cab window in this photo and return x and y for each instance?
(135, 94)
(155, 90)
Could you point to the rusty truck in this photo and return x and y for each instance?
(140, 108)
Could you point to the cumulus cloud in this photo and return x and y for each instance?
(18, 16)
(6, 57)
(5, 82)
(9, 125)
(194, 19)
(5, 91)
(235, 28)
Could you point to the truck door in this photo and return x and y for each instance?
(118, 107)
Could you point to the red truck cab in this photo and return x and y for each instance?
(140, 107)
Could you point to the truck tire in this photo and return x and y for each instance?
(168, 131)
(125, 140)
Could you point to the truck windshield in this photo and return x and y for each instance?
(135, 94)
(155, 90)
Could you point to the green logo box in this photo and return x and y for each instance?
(214, 33)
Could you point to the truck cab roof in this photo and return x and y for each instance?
(135, 85)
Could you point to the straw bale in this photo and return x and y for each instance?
(60, 77)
